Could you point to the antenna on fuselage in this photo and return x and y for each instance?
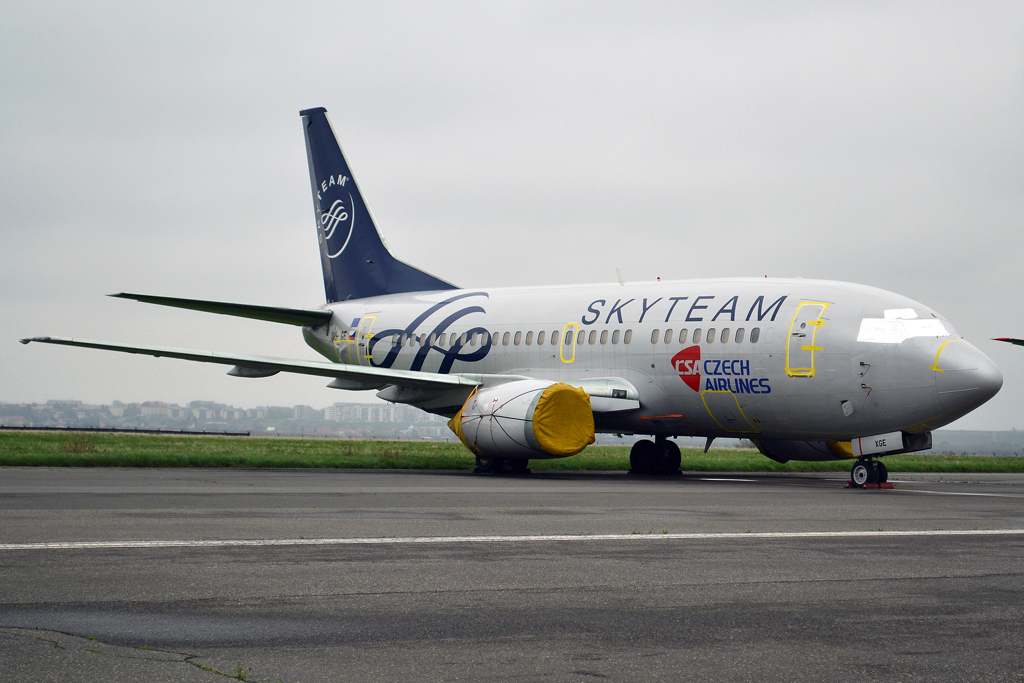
(622, 280)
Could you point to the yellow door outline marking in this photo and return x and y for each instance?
(935, 365)
(338, 341)
(561, 342)
(812, 347)
(365, 335)
(752, 430)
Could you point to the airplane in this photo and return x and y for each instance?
(805, 369)
(1018, 342)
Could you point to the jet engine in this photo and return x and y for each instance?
(526, 419)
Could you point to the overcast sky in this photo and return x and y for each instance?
(157, 149)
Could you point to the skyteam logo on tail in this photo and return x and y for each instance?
(336, 217)
(329, 222)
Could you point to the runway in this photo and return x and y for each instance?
(360, 576)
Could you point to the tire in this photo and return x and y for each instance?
(860, 474)
(883, 472)
(642, 457)
(671, 459)
(488, 465)
(514, 466)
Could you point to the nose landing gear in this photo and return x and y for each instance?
(869, 473)
(660, 457)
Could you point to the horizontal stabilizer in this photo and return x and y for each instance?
(365, 376)
(302, 317)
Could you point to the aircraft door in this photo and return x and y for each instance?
(363, 339)
(805, 336)
(568, 343)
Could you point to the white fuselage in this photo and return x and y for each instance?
(772, 358)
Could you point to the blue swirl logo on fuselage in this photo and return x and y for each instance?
(451, 354)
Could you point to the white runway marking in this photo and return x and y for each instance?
(439, 540)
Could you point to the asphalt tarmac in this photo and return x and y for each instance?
(286, 575)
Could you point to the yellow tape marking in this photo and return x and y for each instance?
(812, 347)
(561, 342)
(752, 430)
(935, 366)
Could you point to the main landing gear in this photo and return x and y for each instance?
(660, 456)
(501, 466)
(868, 471)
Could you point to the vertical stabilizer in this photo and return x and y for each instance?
(355, 261)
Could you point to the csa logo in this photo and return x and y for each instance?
(687, 364)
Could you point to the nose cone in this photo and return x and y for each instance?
(965, 377)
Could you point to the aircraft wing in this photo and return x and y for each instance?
(1018, 342)
(302, 317)
(346, 376)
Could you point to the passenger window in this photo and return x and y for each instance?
(655, 336)
(462, 340)
(711, 336)
(668, 336)
(581, 337)
(529, 338)
(755, 333)
(394, 342)
(494, 338)
(504, 339)
(554, 338)
(696, 336)
(568, 337)
(540, 338)
(682, 336)
(593, 337)
(519, 338)
(431, 339)
(739, 335)
(725, 335)
(615, 337)
(472, 339)
(604, 336)
(628, 337)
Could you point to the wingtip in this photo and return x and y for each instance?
(118, 295)
(34, 339)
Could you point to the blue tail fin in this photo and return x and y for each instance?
(355, 260)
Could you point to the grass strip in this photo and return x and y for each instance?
(77, 449)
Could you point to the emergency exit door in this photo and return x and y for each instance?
(363, 339)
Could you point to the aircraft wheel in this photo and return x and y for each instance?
(488, 465)
(671, 458)
(860, 474)
(642, 457)
(883, 472)
(514, 466)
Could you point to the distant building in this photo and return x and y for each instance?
(306, 413)
(154, 408)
